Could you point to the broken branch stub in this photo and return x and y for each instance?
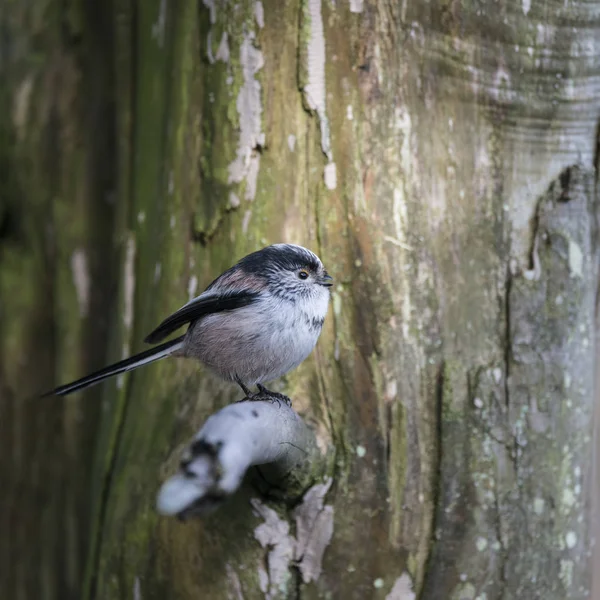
(239, 436)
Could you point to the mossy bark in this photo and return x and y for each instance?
(58, 256)
(439, 157)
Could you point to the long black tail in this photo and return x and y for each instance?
(133, 362)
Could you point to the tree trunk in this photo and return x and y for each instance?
(441, 158)
(60, 235)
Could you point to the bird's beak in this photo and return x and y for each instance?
(326, 280)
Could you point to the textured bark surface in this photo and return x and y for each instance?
(440, 157)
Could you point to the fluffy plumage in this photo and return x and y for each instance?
(258, 320)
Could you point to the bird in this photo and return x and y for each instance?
(253, 324)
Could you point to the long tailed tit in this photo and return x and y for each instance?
(258, 320)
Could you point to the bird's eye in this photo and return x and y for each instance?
(303, 274)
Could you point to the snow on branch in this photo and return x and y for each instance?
(239, 436)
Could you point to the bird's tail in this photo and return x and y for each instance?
(128, 364)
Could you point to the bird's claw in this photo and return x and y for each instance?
(265, 394)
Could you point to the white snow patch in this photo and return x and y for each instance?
(526, 6)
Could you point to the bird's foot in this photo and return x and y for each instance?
(249, 395)
(265, 394)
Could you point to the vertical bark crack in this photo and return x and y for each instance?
(423, 592)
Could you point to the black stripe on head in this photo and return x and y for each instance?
(280, 257)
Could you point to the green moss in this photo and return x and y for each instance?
(220, 125)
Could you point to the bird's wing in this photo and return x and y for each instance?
(204, 304)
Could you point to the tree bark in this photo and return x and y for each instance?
(440, 157)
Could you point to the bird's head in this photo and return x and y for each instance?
(289, 271)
